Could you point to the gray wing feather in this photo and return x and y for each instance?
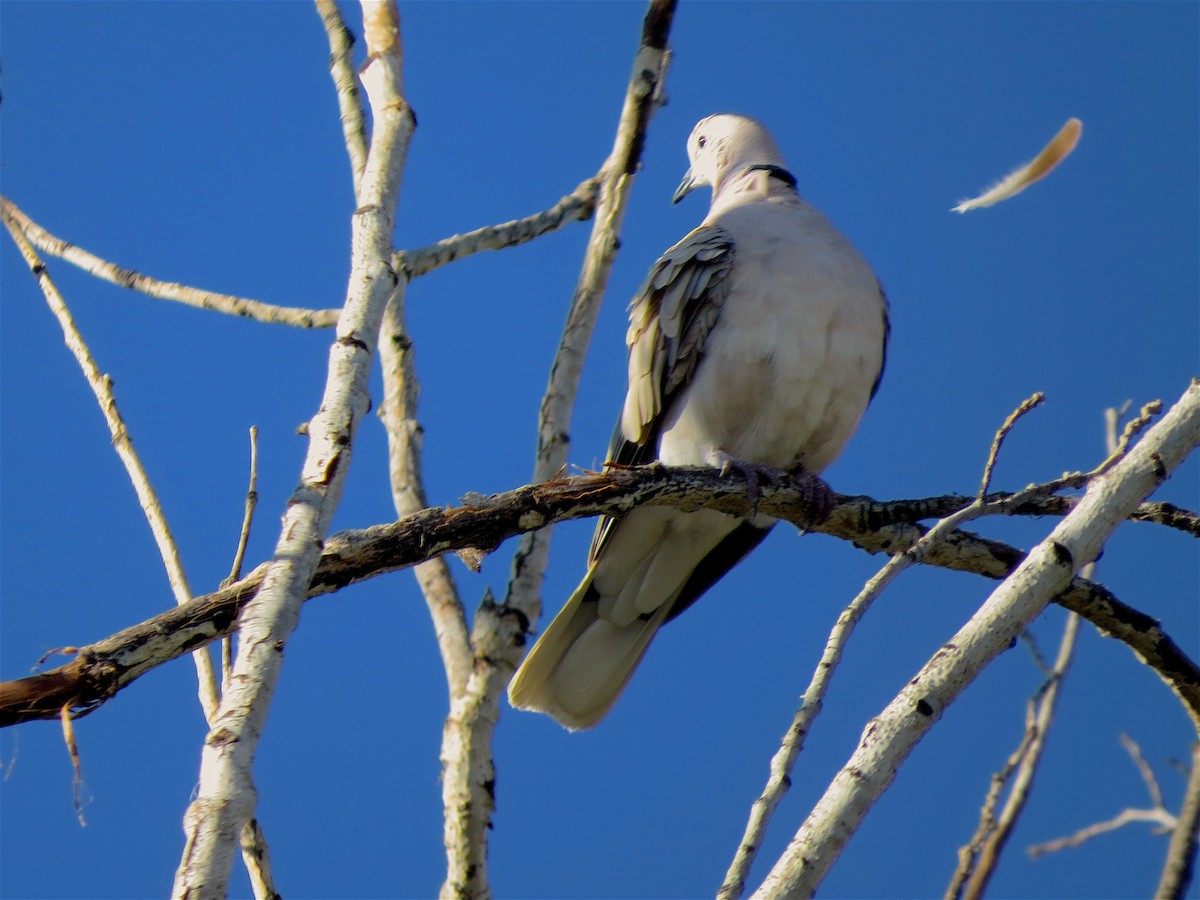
(671, 316)
(670, 319)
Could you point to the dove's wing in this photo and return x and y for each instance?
(670, 318)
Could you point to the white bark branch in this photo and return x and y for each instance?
(574, 207)
(226, 796)
(498, 634)
(341, 69)
(1179, 865)
(398, 413)
(165, 290)
(1046, 571)
(978, 860)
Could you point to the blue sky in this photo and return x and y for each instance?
(200, 142)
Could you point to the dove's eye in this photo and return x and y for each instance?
(701, 141)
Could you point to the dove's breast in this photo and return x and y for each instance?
(789, 366)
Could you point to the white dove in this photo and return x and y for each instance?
(756, 342)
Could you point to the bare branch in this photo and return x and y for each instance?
(1133, 428)
(341, 69)
(979, 859)
(225, 799)
(793, 741)
(993, 834)
(1143, 767)
(1045, 572)
(164, 290)
(1160, 817)
(239, 556)
(784, 759)
(498, 634)
(642, 97)
(256, 855)
(398, 412)
(1180, 865)
(1026, 406)
(104, 668)
(969, 853)
(1042, 503)
(574, 207)
(1181, 852)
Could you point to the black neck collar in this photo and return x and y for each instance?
(776, 171)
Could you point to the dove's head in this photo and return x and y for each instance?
(725, 143)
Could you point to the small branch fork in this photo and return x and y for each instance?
(252, 839)
(979, 859)
(1180, 862)
(1117, 489)
(812, 703)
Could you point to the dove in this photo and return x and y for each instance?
(755, 343)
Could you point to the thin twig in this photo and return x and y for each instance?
(1134, 427)
(77, 785)
(239, 556)
(102, 389)
(1031, 403)
(1180, 864)
(793, 741)
(1160, 817)
(164, 290)
(574, 207)
(235, 571)
(1143, 767)
(341, 69)
(979, 859)
(995, 834)
(969, 853)
(1156, 812)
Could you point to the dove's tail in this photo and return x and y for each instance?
(651, 565)
(581, 663)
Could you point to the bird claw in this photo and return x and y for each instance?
(752, 471)
(817, 497)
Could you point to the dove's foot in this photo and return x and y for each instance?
(755, 473)
(815, 494)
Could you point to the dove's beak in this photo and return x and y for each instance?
(690, 183)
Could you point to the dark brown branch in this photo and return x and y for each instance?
(102, 669)
(886, 512)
